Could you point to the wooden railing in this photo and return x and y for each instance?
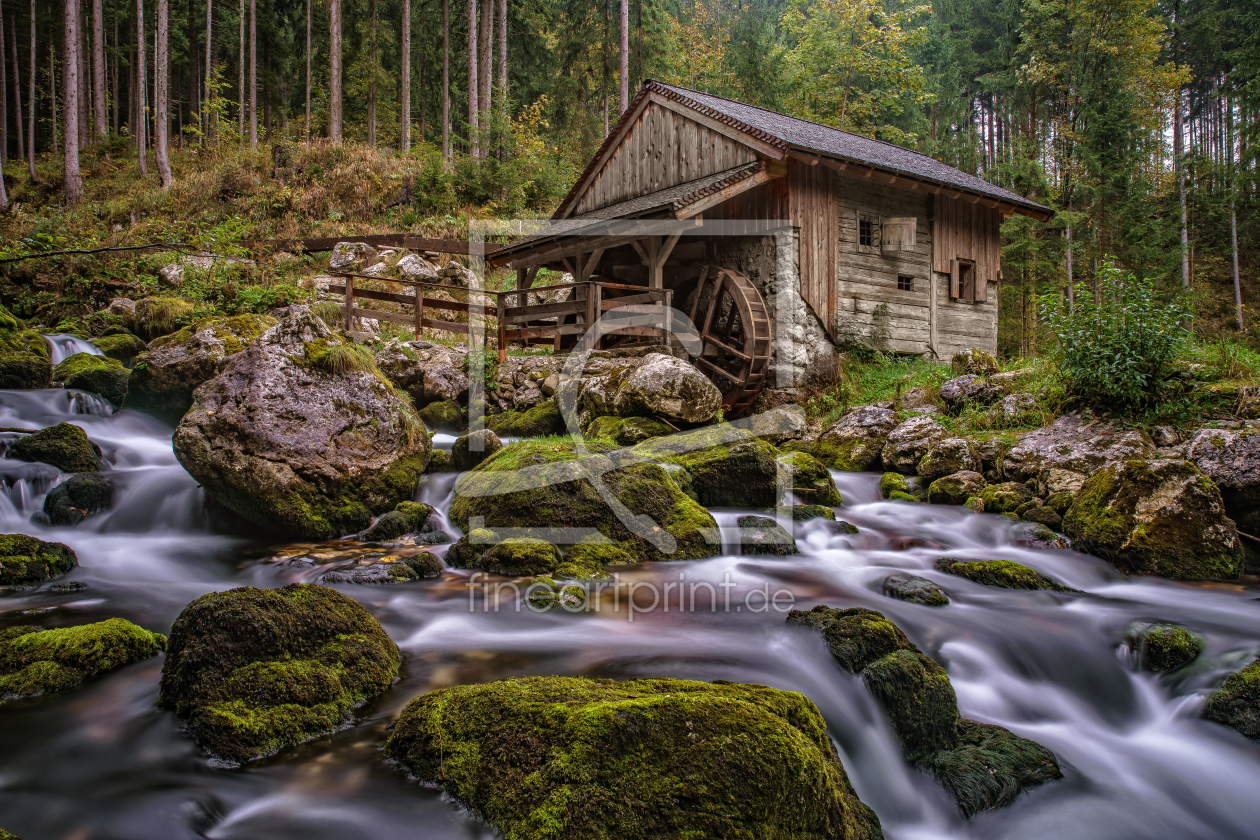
(520, 322)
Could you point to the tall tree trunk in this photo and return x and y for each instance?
(446, 81)
(625, 55)
(485, 29)
(162, 94)
(308, 71)
(1071, 283)
(17, 89)
(404, 83)
(52, 99)
(115, 116)
(141, 120)
(74, 181)
(334, 84)
(253, 74)
(240, 76)
(1178, 131)
(98, 66)
(30, 103)
(85, 84)
(501, 97)
(190, 70)
(211, 127)
(4, 96)
(473, 113)
(1233, 239)
(371, 105)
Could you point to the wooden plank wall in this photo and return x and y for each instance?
(968, 232)
(812, 207)
(660, 150)
(865, 280)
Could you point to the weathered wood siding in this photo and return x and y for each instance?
(661, 149)
(812, 208)
(866, 279)
(969, 232)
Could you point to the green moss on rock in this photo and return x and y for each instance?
(955, 489)
(521, 556)
(1237, 703)
(159, 316)
(544, 484)
(541, 420)
(1007, 497)
(545, 758)
(25, 360)
(405, 518)
(25, 560)
(894, 482)
(916, 590)
(803, 513)
(739, 473)
(439, 462)
(1162, 647)
(759, 535)
(64, 446)
(80, 496)
(811, 481)
(123, 346)
(981, 765)
(443, 415)
(36, 661)
(464, 456)
(253, 671)
(626, 431)
(98, 374)
(1005, 574)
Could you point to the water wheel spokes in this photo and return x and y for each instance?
(736, 337)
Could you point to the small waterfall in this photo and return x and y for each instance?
(64, 346)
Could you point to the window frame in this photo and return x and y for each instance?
(872, 219)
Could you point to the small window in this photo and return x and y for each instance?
(868, 231)
(864, 232)
(905, 283)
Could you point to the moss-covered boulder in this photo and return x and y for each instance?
(946, 457)
(25, 560)
(471, 449)
(916, 590)
(439, 462)
(527, 556)
(955, 489)
(981, 765)
(405, 518)
(122, 346)
(544, 485)
(626, 431)
(908, 442)
(1160, 517)
(969, 390)
(1232, 460)
(444, 415)
(539, 421)
(98, 374)
(158, 316)
(1043, 515)
(544, 593)
(1074, 444)
(656, 385)
(426, 371)
(975, 361)
(64, 446)
(760, 535)
(1005, 574)
(1162, 647)
(174, 366)
(36, 661)
(25, 360)
(1237, 703)
(725, 466)
(255, 670)
(301, 435)
(803, 513)
(553, 757)
(78, 497)
(895, 487)
(855, 442)
(1006, 497)
(810, 480)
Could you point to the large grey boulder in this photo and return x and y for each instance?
(166, 375)
(351, 256)
(1161, 517)
(1232, 460)
(909, 442)
(302, 435)
(1073, 445)
(427, 372)
(855, 441)
(967, 390)
(946, 457)
(658, 386)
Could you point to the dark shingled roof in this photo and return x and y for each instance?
(782, 130)
(674, 197)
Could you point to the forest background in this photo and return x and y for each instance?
(1138, 121)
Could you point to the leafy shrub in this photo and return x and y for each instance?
(1118, 351)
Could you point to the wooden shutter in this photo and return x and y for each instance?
(953, 279)
(982, 288)
(899, 233)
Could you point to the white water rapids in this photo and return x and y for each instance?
(100, 762)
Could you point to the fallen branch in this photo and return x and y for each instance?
(166, 246)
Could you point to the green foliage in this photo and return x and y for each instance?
(340, 357)
(26, 560)
(36, 661)
(1118, 352)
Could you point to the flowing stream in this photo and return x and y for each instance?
(101, 762)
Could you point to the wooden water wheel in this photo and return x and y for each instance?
(736, 333)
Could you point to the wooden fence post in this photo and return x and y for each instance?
(349, 300)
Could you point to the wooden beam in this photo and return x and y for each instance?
(695, 208)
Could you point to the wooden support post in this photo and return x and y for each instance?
(502, 320)
(349, 301)
(419, 313)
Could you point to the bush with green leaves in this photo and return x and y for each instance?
(1117, 349)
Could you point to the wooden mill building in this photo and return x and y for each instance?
(873, 243)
